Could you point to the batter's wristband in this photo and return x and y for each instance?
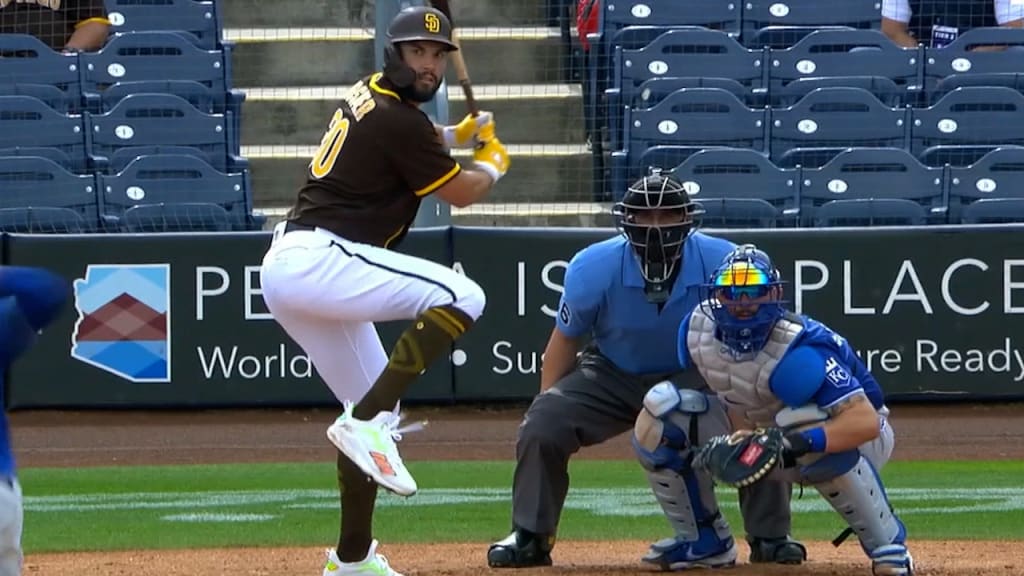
(491, 170)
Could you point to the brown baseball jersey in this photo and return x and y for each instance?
(379, 157)
(52, 21)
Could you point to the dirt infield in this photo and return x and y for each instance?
(132, 438)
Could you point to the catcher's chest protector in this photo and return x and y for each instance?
(743, 385)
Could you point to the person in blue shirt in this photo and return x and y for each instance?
(30, 299)
(773, 368)
(622, 303)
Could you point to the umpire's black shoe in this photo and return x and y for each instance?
(521, 549)
(778, 550)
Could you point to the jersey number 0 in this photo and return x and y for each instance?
(330, 146)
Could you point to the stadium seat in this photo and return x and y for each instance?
(25, 59)
(53, 97)
(144, 120)
(195, 93)
(692, 118)
(884, 89)
(740, 189)
(198, 19)
(872, 187)
(839, 53)
(27, 122)
(955, 154)
(959, 57)
(976, 116)
(174, 192)
(828, 120)
(990, 190)
(38, 195)
(56, 155)
(162, 56)
(758, 14)
(1014, 80)
(652, 91)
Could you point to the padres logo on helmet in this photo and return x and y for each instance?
(432, 23)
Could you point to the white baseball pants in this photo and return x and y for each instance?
(326, 292)
(11, 520)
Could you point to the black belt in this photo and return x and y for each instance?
(292, 226)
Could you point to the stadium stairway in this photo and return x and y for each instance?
(296, 60)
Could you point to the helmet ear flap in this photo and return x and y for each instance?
(395, 69)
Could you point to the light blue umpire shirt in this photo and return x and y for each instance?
(604, 297)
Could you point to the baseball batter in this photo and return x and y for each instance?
(775, 369)
(330, 272)
(627, 295)
(30, 299)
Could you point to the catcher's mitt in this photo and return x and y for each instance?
(741, 458)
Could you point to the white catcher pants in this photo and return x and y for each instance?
(11, 520)
(326, 292)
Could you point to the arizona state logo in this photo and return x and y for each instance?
(432, 23)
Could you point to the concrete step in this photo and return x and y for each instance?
(318, 56)
(539, 173)
(361, 13)
(541, 113)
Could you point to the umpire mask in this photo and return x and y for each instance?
(415, 24)
(656, 215)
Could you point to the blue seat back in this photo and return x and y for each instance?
(999, 175)
(34, 183)
(175, 179)
(884, 89)
(976, 115)
(25, 59)
(204, 99)
(959, 57)
(838, 53)
(194, 17)
(1013, 80)
(739, 187)
(145, 120)
(838, 117)
(53, 96)
(758, 14)
(696, 117)
(27, 122)
(688, 52)
(870, 181)
(153, 56)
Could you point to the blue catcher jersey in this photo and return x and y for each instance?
(820, 366)
(30, 298)
(604, 298)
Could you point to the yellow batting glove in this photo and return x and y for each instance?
(492, 158)
(465, 133)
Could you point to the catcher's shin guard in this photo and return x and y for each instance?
(858, 495)
(664, 449)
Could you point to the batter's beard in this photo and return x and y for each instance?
(420, 95)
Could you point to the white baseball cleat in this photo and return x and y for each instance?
(370, 444)
(373, 565)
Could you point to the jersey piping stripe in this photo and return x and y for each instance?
(387, 243)
(376, 87)
(97, 20)
(401, 272)
(439, 182)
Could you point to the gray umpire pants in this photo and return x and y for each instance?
(591, 404)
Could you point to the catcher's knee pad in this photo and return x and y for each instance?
(858, 496)
(662, 444)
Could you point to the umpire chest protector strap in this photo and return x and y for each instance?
(743, 385)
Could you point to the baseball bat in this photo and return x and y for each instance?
(461, 72)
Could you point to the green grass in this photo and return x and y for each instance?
(296, 504)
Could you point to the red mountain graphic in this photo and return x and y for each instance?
(123, 318)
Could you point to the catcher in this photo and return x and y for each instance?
(802, 403)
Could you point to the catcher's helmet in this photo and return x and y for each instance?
(746, 274)
(658, 242)
(415, 23)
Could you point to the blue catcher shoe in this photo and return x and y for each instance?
(708, 552)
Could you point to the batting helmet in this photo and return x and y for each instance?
(415, 23)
